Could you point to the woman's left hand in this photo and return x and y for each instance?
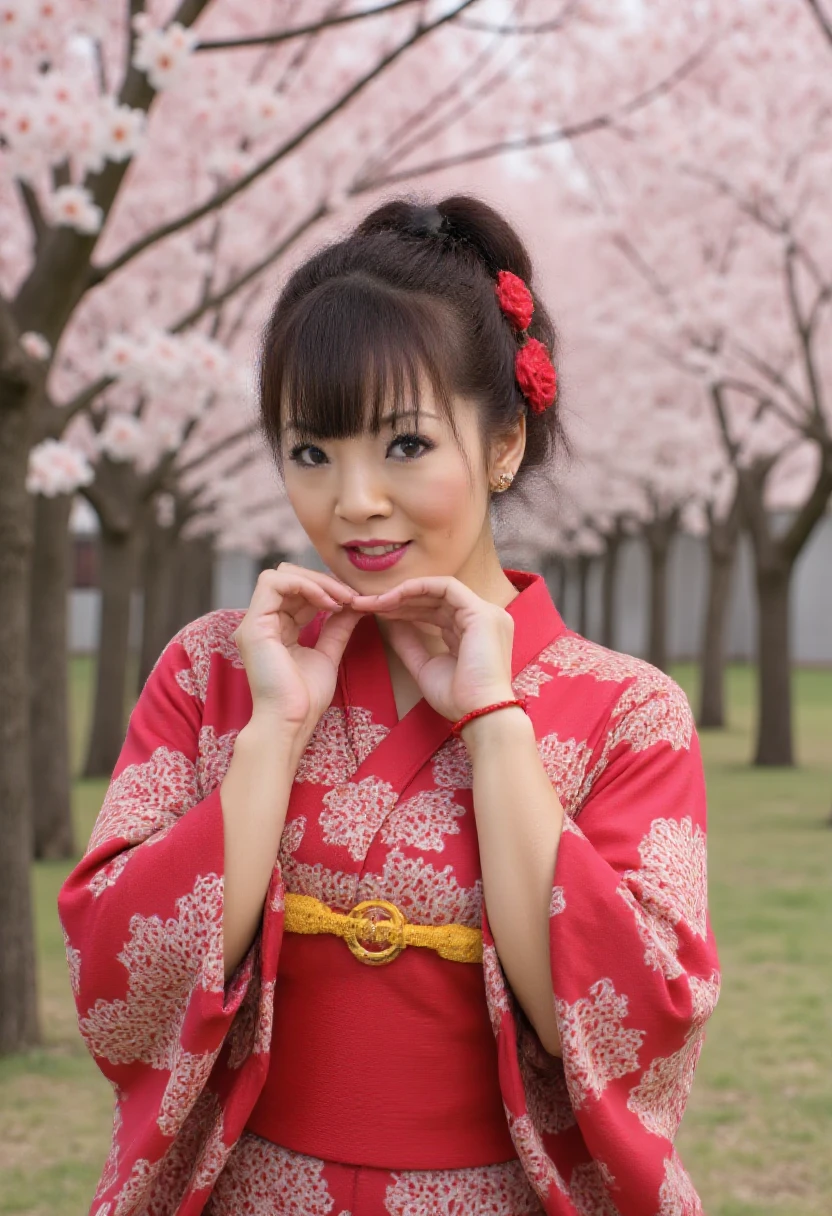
(478, 634)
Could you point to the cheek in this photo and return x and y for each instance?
(446, 503)
(310, 508)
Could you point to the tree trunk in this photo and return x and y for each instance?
(119, 554)
(49, 673)
(659, 534)
(584, 565)
(774, 736)
(18, 995)
(157, 577)
(194, 588)
(609, 580)
(722, 552)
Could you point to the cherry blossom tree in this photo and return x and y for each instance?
(154, 164)
(717, 202)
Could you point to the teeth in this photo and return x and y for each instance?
(376, 550)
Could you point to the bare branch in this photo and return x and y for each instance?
(65, 413)
(810, 512)
(220, 198)
(771, 373)
(275, 36)
(543, 27)
(216, 301)
(804, 336)
(30, 202)
(730, 444)
(430, 109)
(823, 20)
(220, 446)
(521, 143)
(440, 122)
(635, 258)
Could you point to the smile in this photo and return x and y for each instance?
(376, 557)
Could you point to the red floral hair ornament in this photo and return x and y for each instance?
(536, 375)
(533, 367)
(515, 299)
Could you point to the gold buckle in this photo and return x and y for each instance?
(393, 949)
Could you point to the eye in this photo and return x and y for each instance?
(408, 440)
(405, 440)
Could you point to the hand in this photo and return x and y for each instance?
(479, 637)
(292, 682)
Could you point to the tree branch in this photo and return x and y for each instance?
(219, 447)
(521, 143)
(543, 27)
(440, 123)
(60, 275)
(30, 202)
(216, 301)
(824, 22)
(383, 156)
(276, 36)
(812, 510)
(770, 373)
(804, 337)
(224, 196)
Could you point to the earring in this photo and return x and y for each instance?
(503, 482)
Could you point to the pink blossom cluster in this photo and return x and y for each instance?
(157, 361)
(162, 53)
(56, 467)
(60, 117)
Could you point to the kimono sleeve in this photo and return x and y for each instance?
(635, 973)
(142, 917)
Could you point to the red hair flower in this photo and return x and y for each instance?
(515, 299)
(536, 375)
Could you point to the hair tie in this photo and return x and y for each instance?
(533, 368)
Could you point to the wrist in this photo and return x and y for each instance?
(267, 730)
(488, 727)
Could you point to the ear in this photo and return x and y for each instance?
(508, 449)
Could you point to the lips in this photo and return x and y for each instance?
(377, 561)
(371, 544)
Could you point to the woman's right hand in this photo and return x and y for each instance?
(294, 683)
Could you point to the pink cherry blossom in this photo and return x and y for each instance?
(163, 54)
(73, 207)
(57, 468)
(35, 346)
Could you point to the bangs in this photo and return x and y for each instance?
(354, 352)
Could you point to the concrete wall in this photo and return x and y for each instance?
(811, 641)
(811, 601)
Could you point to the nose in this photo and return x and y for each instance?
(361, 493)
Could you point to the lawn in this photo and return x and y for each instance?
(757, 1130)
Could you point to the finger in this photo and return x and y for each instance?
(409, 646)
(438, 587)
(290, 592)
(336, 588)
(335, 634)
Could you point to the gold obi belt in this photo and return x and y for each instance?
(305, 914)
(407, 1051)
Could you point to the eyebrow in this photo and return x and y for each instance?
(385, 419)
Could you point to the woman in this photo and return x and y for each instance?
(399, 742)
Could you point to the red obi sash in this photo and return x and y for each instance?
(393, 1065)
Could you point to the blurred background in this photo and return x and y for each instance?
(162, 169)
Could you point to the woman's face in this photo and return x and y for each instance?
(402, 485)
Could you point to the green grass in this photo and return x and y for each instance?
(757, 1131)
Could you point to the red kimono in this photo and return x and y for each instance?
(470, 1113)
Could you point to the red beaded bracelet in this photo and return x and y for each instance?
(486, 709)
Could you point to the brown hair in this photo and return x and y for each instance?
(410, 291)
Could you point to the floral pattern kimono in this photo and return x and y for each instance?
(382, 808)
